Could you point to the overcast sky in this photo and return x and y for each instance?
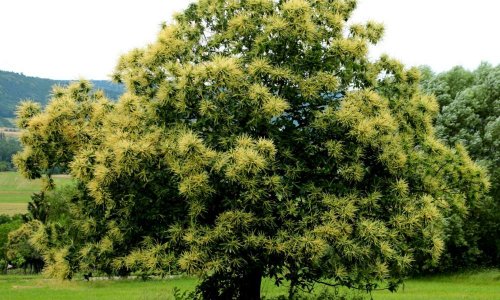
(70, 39)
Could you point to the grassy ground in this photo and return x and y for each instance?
(17, 287)
(13, 208)
(483, 285)
(15, 191)
(30, 287)
(473, 285)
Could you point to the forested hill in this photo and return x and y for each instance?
(15, 87)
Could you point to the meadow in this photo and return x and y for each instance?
(469, 285)
(15, 191)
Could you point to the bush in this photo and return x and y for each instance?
(7, 225)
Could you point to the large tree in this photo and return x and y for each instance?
(472, 118)
(255, 139)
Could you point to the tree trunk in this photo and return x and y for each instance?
(235, 285)
(250, 285)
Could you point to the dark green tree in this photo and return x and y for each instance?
(8, 147)
(447, 85)
(473, 119)
(470, 116)
(20, 251)
(7, 224)
(49, 220)
(255, 139)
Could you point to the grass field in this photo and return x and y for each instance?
(484, 285)
(35, 287)
(15, 191)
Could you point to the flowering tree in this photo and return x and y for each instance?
(255, 139)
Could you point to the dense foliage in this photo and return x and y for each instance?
(255, 139)
(15, 87)
(7, 225)
(470, 115)
(8, 147)
(47, 207)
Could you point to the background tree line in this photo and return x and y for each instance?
(470, 115)
(15, 87)
(8, 147)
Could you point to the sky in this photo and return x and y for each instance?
(72, 39)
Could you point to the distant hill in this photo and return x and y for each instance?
(15, 87)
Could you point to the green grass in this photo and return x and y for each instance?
(474, 285)
(34, 287)
(470, 285)
(13, 208)
(17, 287)
(16, 191)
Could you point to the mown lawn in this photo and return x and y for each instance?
(474, 285)
(35, 287)
(17, 287)
(484, 285)
(15, 191)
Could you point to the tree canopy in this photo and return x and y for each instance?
(470, 116)
(255, 138)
